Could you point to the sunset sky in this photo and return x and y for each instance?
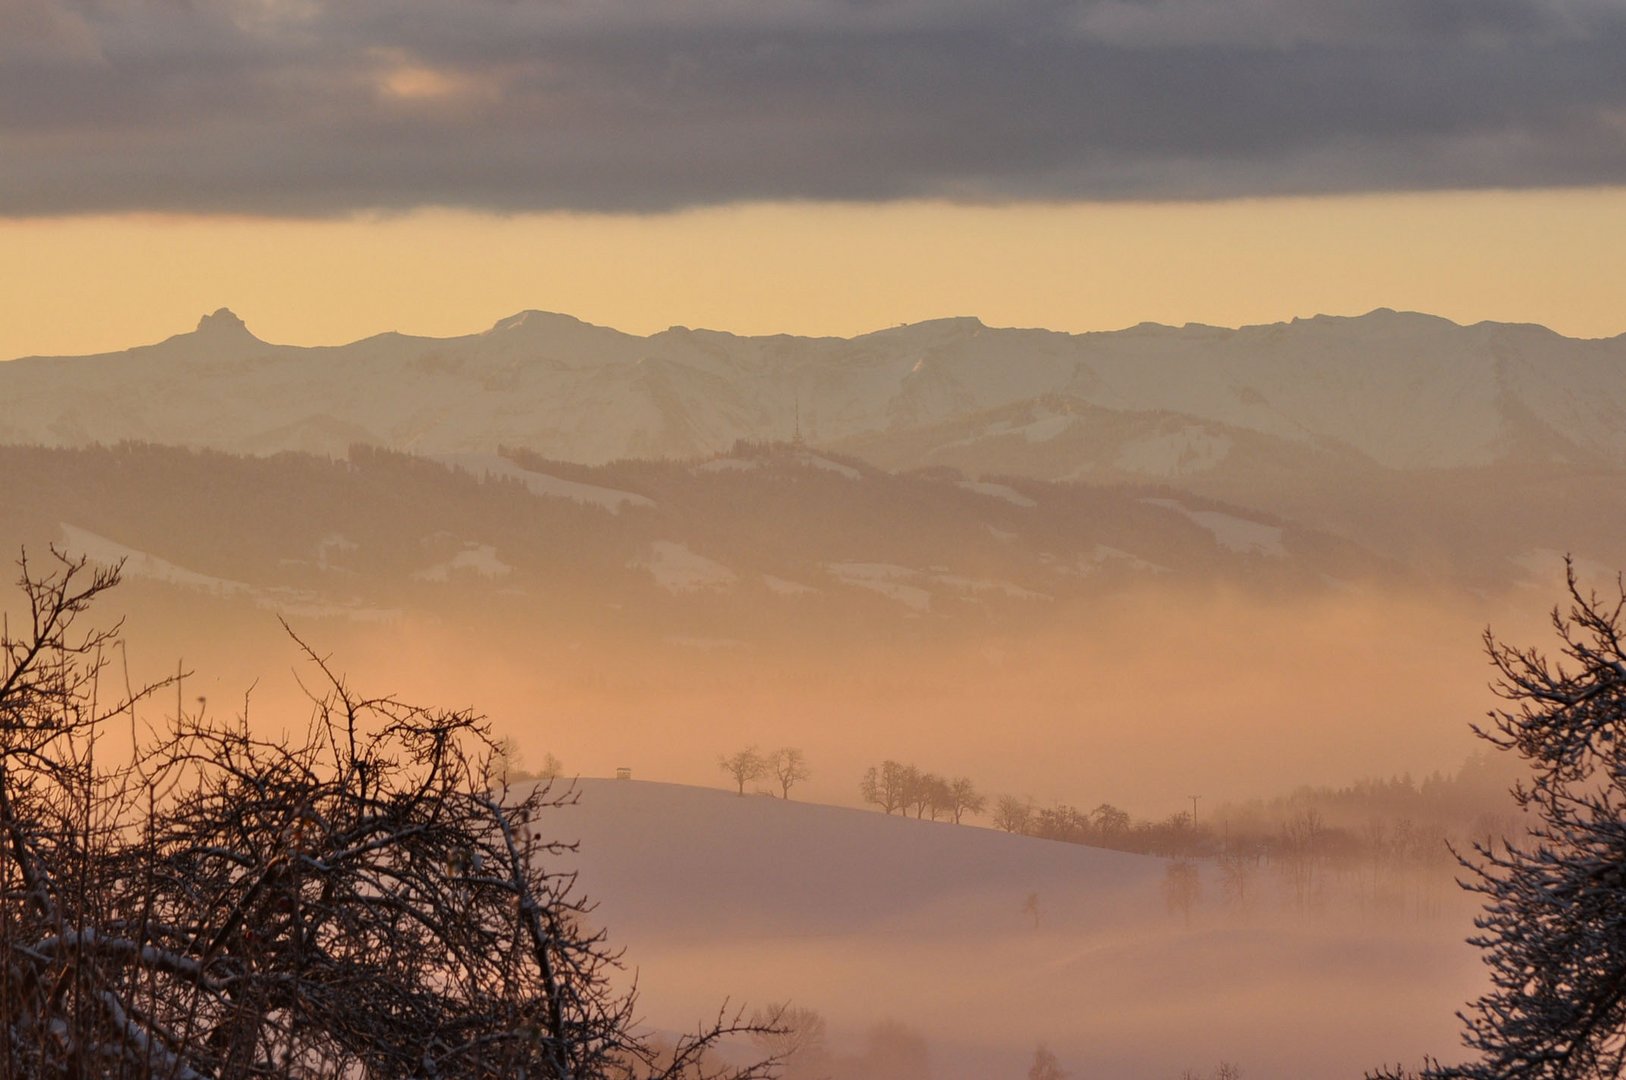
(334, 169)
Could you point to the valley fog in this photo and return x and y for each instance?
(1240, 700)
(818, 540)
(1142, 758)
(983, 946)
(923, 949)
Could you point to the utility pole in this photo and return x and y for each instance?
(1194, 799)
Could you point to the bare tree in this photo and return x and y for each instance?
(895, 786)
(1551, 928)
(917, 789)
(794, 1036)
(789, 767)
(508, 761)
(1046, 1066)
(1109, 821)
(356, 901)
(885, 786)
(962, 797)
(1182, 886)
(743, 766)
(939, 795)
(1013, 814)
(1236, 868)
(892, 1051)
(1300, 855)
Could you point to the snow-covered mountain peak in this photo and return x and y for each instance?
(964, 324)
(532, 321)
(1377, 322)
(930, 330)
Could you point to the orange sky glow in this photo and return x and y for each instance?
(94, 283)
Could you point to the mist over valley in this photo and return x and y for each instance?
(1194, 616)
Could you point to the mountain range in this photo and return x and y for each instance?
(1127, 547)
(1476, 451)
(1398, 390)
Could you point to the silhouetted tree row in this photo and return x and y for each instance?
(795, 1037)
(508, 763)
(1105, 826)
(785, 768)
(1386, 867)
(896, 787)
(1470, 804)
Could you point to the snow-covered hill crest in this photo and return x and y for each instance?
(984, 942)
(1401, 390)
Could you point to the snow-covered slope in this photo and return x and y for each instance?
(780, 547)
(799, 858)
(866, 917)
(1399, 390)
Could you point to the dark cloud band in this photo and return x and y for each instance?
(330, 106)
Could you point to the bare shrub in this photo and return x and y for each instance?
(360, 899)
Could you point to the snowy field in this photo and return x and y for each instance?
(869, 918)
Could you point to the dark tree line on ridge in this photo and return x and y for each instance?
(896, 787)
(1377, 846)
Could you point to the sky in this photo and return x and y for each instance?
(333, 168)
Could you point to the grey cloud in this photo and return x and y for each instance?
(1402, 25)
(316, 107)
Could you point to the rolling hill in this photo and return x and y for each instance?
(866, 918)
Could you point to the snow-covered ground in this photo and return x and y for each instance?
(998, 491)
(1170, 454)
(891, 581)
(1229, 531)
(678, 569)
(543, 484)
(474, 558)
(805, 458)
(143, 565)
(914, 588)
(866, 917)
(785, 587)
(140, 564)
